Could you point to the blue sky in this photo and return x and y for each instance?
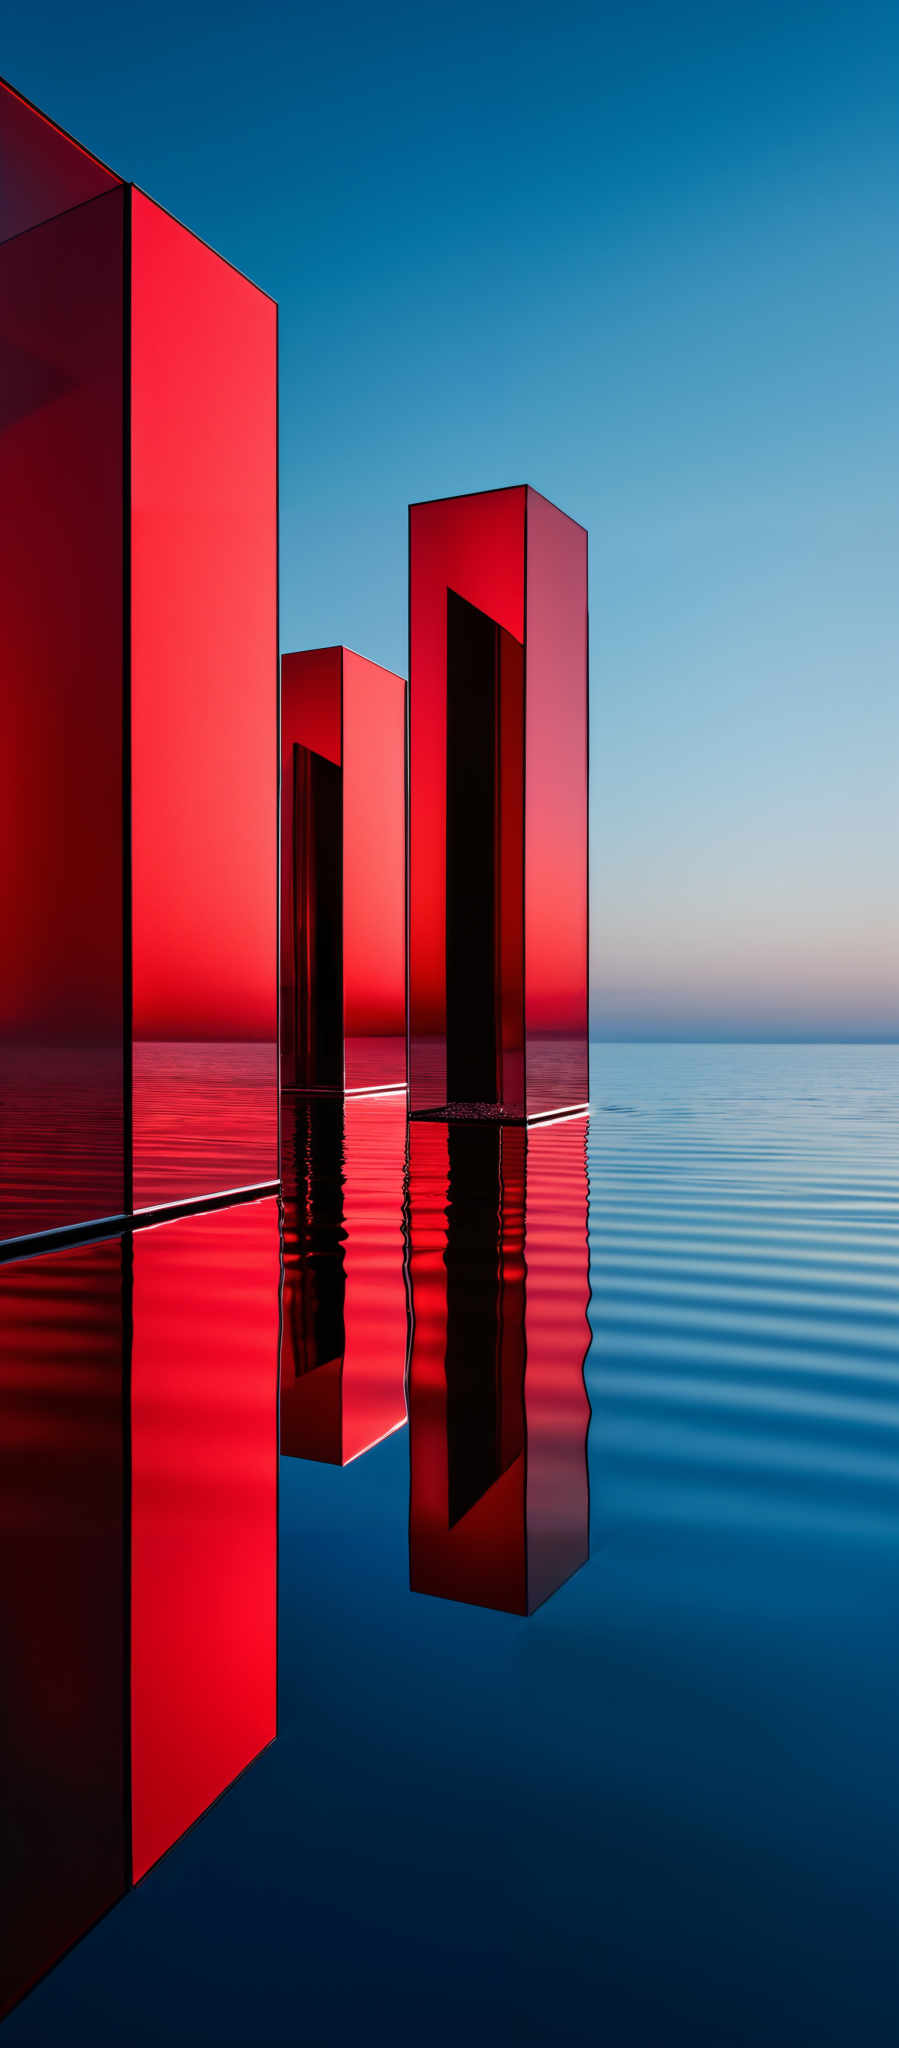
(645, 258)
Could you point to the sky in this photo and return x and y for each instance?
(643, 257)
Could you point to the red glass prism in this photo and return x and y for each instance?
(498, 762)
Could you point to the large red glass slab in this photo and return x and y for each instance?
(204, 733)
(139, 700)
(498, 1411)
(343, 1328)
(42, 170)
(497, 799)
(204, 1513)
(63, 1792)
(62, 531)
(342, 873)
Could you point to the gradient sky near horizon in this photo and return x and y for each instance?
(642, 257)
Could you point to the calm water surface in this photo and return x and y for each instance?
(661, 1807)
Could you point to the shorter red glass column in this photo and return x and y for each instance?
(343, 970)
(498, 1411)
(498, 808)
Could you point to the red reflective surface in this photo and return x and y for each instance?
(204, 714)
(343, 1330)
(62, 487)
(63, 1843)
(42, 171)
(138, 1557)
(498, 808)
(342, 872)
(204, 1513)
(498, 1412)
(374, 874)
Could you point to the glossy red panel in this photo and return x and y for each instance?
(61, 660)
(474, 547)
(204, 717)
(42, 171)
(342, 872)
(204, 1513)
(555, 882)
(498, 1413)
(62, 1604)
(343, 1333)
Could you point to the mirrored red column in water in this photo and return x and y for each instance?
(344, 1324)
(138, 1544)
(498, 1410)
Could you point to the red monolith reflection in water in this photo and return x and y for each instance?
(138, 1557)
(204, 1513)
(342, 873)
(498, 808)
(63, 1578)
(498, 1411)
(343, 1329)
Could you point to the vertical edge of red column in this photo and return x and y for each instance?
(373, 875)
(557, 1407)
(278, 773)
(556, 815)
(204, 718)
(407, 815)
(342, 873)
(127, 821)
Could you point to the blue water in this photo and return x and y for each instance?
(665, 1807)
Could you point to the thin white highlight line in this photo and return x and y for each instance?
(376, 1440)
(390, 1088)
(255, 1187)
(561, 1116)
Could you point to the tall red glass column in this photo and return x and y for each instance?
(343, 973)
(498, 763)
(498, 1411)
(138, 699)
